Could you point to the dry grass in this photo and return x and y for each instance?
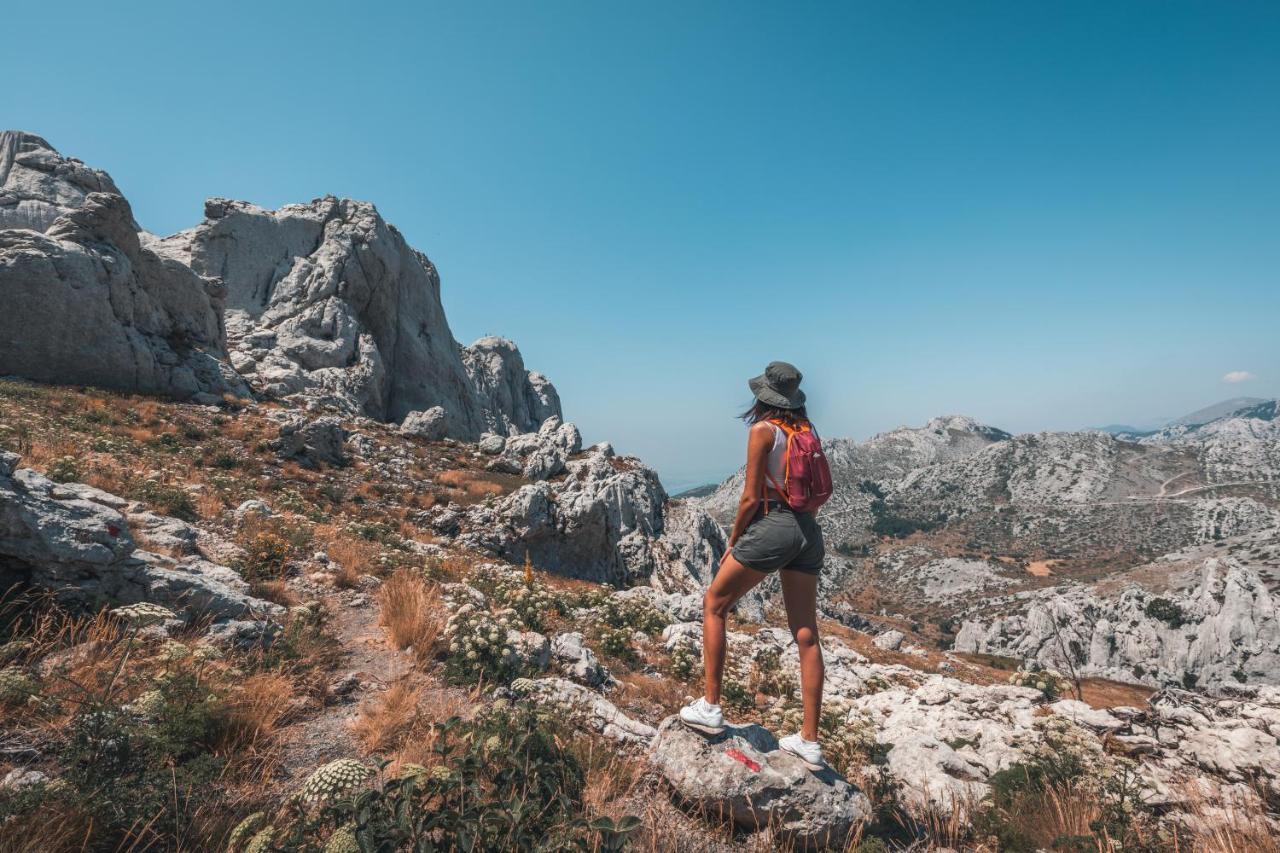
(656, 694)
(1232, 827)
(262, 703)
(209, 504)
(469, 486)
(411, 611)
(276, 591)
(399, 721)
(385, 720)
(351, 558)
(1101, 693)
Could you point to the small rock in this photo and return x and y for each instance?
(889, 641)
(19, 778)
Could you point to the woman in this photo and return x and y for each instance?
(768, 536)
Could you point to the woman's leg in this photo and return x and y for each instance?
(731, 582)
(800, 595)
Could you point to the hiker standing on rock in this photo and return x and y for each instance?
(787, 479)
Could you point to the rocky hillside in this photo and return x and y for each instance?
(322, 303)
(313, 576)
(861, 471)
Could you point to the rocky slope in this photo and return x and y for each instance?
(861, 469)
(1223, 632)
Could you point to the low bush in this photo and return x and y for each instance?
(501, 781)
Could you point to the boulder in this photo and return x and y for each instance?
(588, 709)
(742, 777)
(539, 455)
(491, 444)
(533, 650)
(889, 640)
(312, 442)
(577, 661)
(73, 540)
(430, 424)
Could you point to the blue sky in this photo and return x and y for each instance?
(1045, 215)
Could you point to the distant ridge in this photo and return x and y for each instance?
(1217, 410)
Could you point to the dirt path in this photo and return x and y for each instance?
(326, 735)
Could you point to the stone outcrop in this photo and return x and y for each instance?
(608, 520)
(327, 302)
(312, 442)
(740, 776)
(37, 184)
(1224, 632)
(588, 709)
(74, 540)
(85, 301)
(539, 455)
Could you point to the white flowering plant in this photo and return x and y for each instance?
(533, 603)
(1050, 682)
(478, 646)
(503, 780)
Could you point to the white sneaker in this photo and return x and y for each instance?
(703, 716)
(810, 752)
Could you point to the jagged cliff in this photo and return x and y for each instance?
(324, 302)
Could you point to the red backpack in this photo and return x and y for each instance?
(806, 480)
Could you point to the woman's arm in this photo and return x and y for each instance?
(759, 442)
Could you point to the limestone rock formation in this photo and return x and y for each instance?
(539, 455)
(742, 777)
(87, 303)
(589, 709)
(37, 184)
(327, 301)
(74, 541)
(430, 424)
(312, 442)
(1225, 631)
(606, 521)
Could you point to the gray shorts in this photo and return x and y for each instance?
(781, 539)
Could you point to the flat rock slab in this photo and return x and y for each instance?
(741, 776)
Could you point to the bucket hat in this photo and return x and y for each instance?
(779, 386)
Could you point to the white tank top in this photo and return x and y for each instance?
(777, 458)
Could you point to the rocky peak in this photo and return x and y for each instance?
(37, 184)
(326, 301)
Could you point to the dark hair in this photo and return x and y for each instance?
(761, 411)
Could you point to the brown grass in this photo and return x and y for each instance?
(469, 486)
(385, 720)
(275, 590)
(262, 703)
(210, 504)
(411, 611)
(351, 559)
(1230, 827)
(1101, 693)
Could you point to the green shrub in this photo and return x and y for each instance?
(1168, 612)
(169, 500)
(502, 781)
(65, 469)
